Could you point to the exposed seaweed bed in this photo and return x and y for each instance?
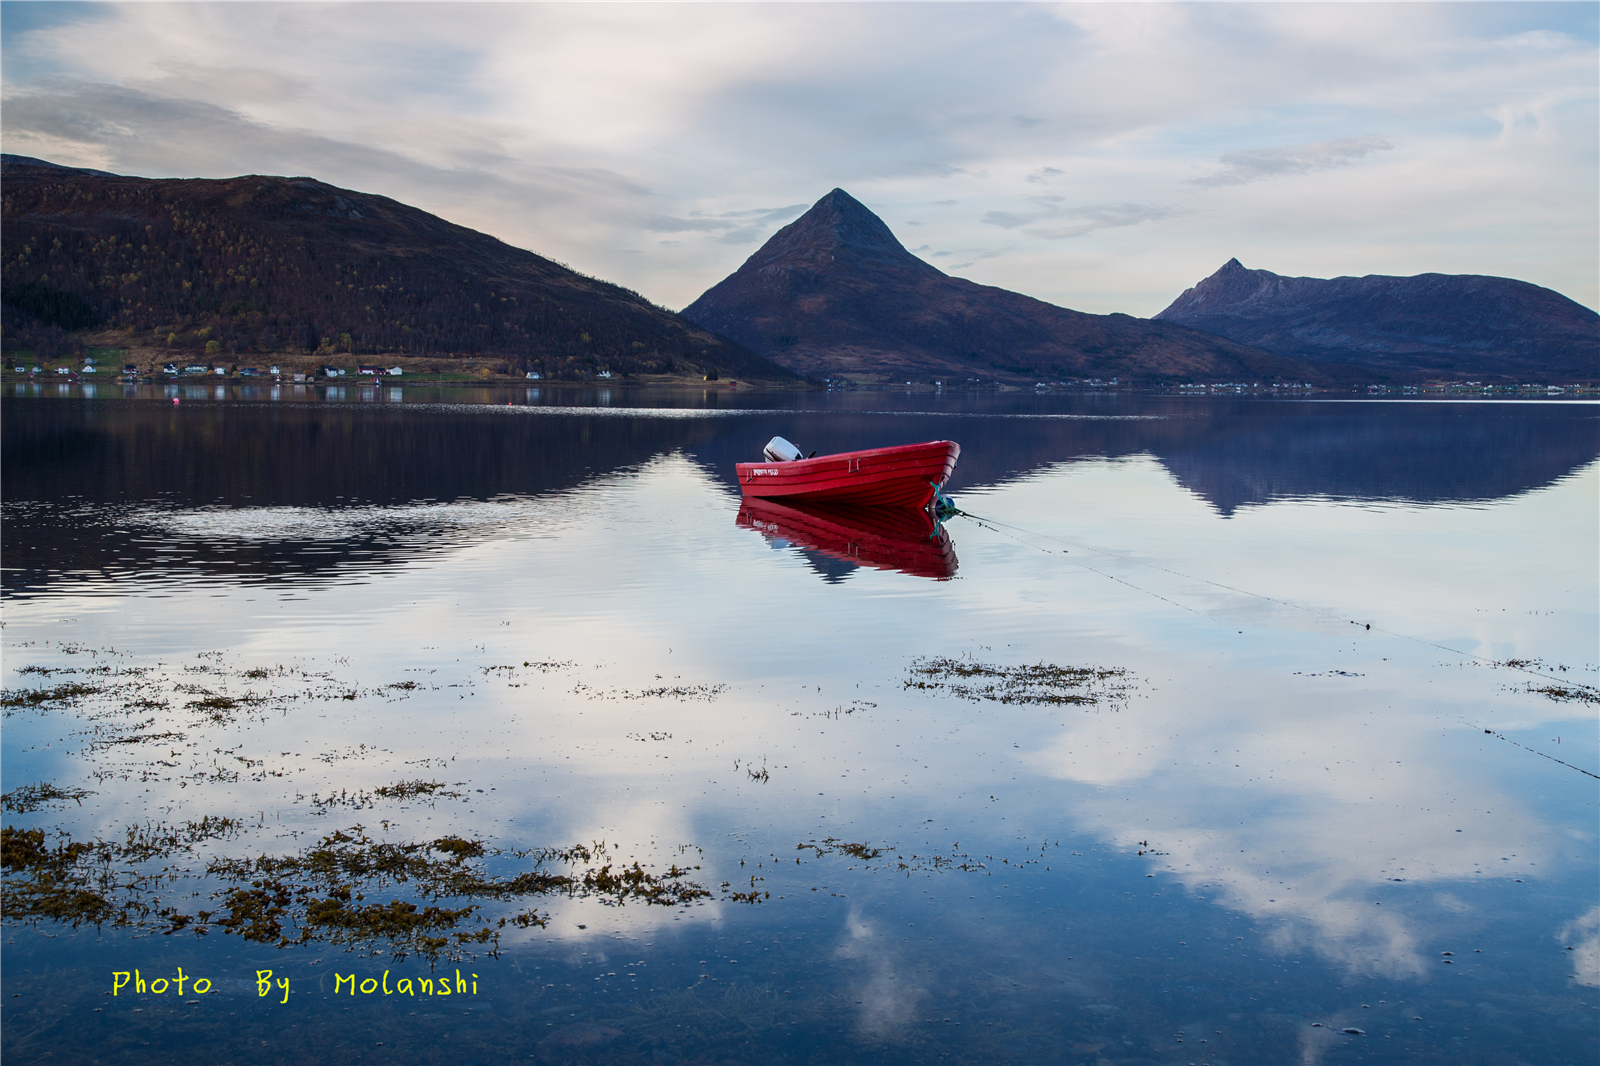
(371, 896)
(1040, 683)
(367, 883)
(440, 899)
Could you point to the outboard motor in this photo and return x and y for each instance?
(779, 450)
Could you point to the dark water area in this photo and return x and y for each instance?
(340, 455)
(1231, 731)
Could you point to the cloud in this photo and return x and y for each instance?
(768, 214)
(1256, 164)
(1076, 221)
(573, 129)
(750, 226)
(729, 227)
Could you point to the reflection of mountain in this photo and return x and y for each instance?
(1427, 453)
(1233, 454)
(886, 538)
(78, 475)
(316, 455)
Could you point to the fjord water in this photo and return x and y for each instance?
(1331, 800)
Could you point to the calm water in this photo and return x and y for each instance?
(1325, 791)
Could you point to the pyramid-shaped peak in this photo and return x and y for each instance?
(839, 229)
(839, 207)
(840, 204)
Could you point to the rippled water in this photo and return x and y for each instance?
(1330, 764)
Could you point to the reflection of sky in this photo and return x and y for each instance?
(1333, 783)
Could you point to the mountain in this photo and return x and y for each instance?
(1432, 325)
(256, 264)
(834, 293)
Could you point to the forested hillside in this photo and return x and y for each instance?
(244, 267)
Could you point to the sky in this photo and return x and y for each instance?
(1101, 156)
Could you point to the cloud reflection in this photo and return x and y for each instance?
(1582, 936)
(887, 1000)
(1299, 819)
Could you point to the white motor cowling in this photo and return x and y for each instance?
(779, 450)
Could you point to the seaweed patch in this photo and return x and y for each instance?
(29, 798)
(864, 852)
(1041, 683)
(415, 789)
(430, 901)
(1570, 693)
(68, 693)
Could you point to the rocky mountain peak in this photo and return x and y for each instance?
(835, 294)
(1447, 326)
(838, 229)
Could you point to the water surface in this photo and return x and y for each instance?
(1328, 765)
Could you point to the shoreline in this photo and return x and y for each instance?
(733, 388)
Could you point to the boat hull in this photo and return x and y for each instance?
(906, 475)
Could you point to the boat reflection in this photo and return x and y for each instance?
(886, 538)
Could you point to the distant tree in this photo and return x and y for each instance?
(51, 305)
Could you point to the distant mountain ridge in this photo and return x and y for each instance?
(836, 294)
(258, 264)
(1441, 325)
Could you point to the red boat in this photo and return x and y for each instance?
(906, 475)
(884, 538)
